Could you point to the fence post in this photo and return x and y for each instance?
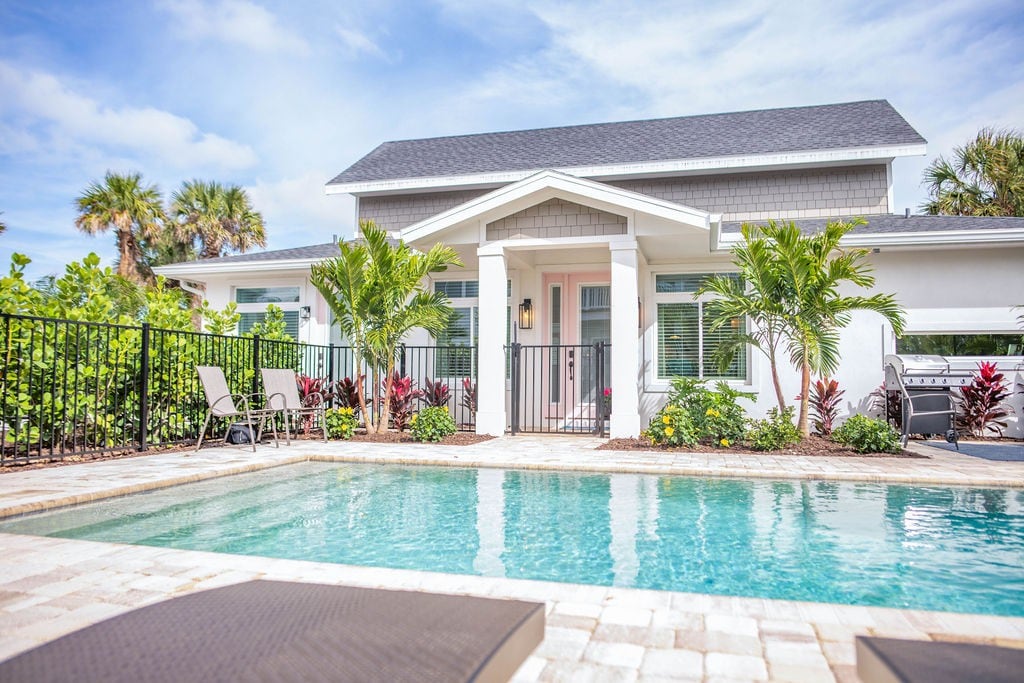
(255, 389)
(401, 361)
(143, 435)
(330, 371)
(514, 370)
(599, 398)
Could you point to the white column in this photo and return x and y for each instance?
(625, 421)
(490, 388)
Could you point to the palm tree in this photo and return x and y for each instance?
(3, 227)
(794, 281)
(984, 178)
(216, 219)
(761, 304)
(376, 292)
(133, 210)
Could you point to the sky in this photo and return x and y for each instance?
(279, 97)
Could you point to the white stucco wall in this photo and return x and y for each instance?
(943, 291)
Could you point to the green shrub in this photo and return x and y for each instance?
(341, 423)
(432, 424)
(672, 426)
(715, 415)
(775, 432)
(865, 435)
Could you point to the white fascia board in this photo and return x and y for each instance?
(613, 242)
(916, 239)
(558, 182)
(643, 168)
(197, 271)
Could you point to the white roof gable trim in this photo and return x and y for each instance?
(549, 183)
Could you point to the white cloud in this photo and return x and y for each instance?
(357, 43)
(298, 212)
(61, 118)
(946, 65)
(235, 21)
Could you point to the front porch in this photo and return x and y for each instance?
(562, 265)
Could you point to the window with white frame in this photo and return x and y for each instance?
(686, 346)
(252, 306)
(459, 359)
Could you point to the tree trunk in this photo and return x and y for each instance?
(358, 388)
(385, 413)
(776, 382)
(805, 388)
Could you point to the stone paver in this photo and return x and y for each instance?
(51, 586)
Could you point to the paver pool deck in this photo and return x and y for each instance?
(50, 586)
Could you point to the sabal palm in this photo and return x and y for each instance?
(794, 285)
(134, 211)
(215, 218)
(985, 177)
(376, 290)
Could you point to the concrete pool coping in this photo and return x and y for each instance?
(49, 586)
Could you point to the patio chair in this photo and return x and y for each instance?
(281, 385)
(222, 403)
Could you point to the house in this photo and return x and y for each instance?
(585, 235)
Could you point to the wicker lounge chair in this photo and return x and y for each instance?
(222, 403)
(281, 631)
(920, 661)
(283, 396)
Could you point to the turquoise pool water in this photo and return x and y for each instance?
(936, 548)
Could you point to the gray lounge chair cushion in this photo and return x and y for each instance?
(921, 661)
(280, 631)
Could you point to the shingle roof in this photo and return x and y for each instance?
(832, 126)
(890, 223)
(316, 251)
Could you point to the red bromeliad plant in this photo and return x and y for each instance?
(346, 393)
(825, 398)
(979, 408)
(469, 396)
(403, 397)
(312, 391)
(437, 394)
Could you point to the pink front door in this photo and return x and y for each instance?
(575, 312)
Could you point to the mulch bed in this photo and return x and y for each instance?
(811, 446)
(456, 439)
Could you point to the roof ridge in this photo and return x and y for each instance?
(638, 120)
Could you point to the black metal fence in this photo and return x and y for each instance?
(559, 388)
(73, 388)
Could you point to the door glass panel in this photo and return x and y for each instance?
(595, 326)
(554, 385)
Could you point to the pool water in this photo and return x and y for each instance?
(952, 549)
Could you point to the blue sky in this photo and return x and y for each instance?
(280, 96)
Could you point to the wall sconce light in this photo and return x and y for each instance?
(526, 315)
(305, 312)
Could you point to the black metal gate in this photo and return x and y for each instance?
(560, 389)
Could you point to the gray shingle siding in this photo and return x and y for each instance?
(394, 212)
(825, 127)
(557, 218)
(775, 194)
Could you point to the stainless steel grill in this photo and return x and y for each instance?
(924, 384)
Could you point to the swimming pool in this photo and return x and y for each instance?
(953, 549)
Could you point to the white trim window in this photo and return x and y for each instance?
(685, 344)
(252, 306)
(464, 328)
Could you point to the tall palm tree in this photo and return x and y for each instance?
(793, 282)
(134, 211)
(375, 289)
(216, 219)
(985, 177)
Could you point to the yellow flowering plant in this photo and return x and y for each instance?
(671, 427)
(340, 423)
